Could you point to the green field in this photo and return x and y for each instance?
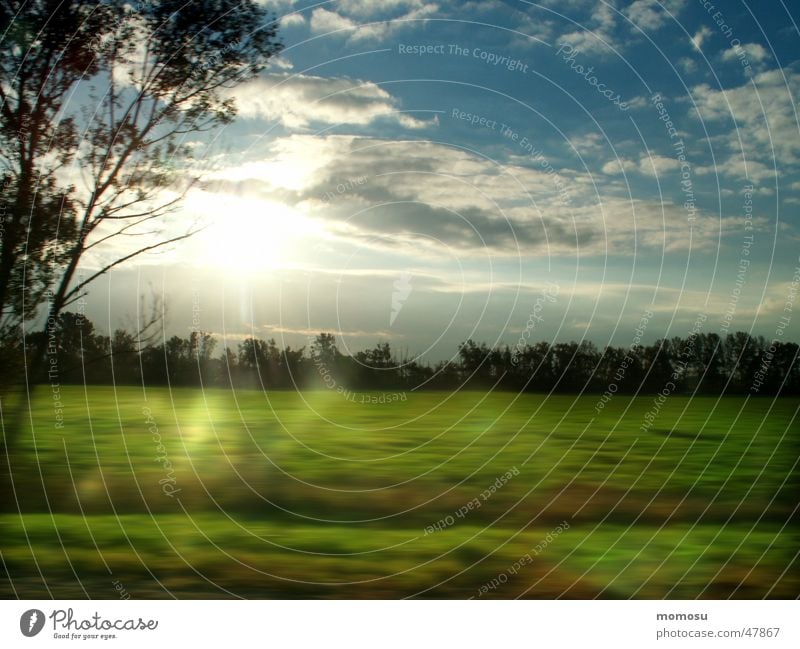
(313, 494)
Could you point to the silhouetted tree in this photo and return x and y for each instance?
(150, 75)
(475, 363)
(704, 364)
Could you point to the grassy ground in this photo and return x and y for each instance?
(320, 495)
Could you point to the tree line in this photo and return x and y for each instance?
(703, 363)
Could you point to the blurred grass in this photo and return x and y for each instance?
(312, 495)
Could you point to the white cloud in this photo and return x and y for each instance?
(292, 20)
(619, 165)
(533, 28)
(650, 15)
(428, 196)
(638, 102)
(737, 167)
(754, 51)
(748, 55)
(657, 165)
(765, 128)
(298, 101)
(372, 8)
(687, 65)
(700, 36)
(598, 36)
(653, 166)
(280, 62)
(324, 21)
(588, 144)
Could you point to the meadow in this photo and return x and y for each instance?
(194, 493)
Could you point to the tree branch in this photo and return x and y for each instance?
(128, 257)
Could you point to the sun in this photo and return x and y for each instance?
(244, 235)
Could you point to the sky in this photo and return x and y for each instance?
(423, 173)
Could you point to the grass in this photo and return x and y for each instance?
(312, 495)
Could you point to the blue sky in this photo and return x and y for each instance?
(424, 172)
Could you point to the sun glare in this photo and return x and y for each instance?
(246, 235)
